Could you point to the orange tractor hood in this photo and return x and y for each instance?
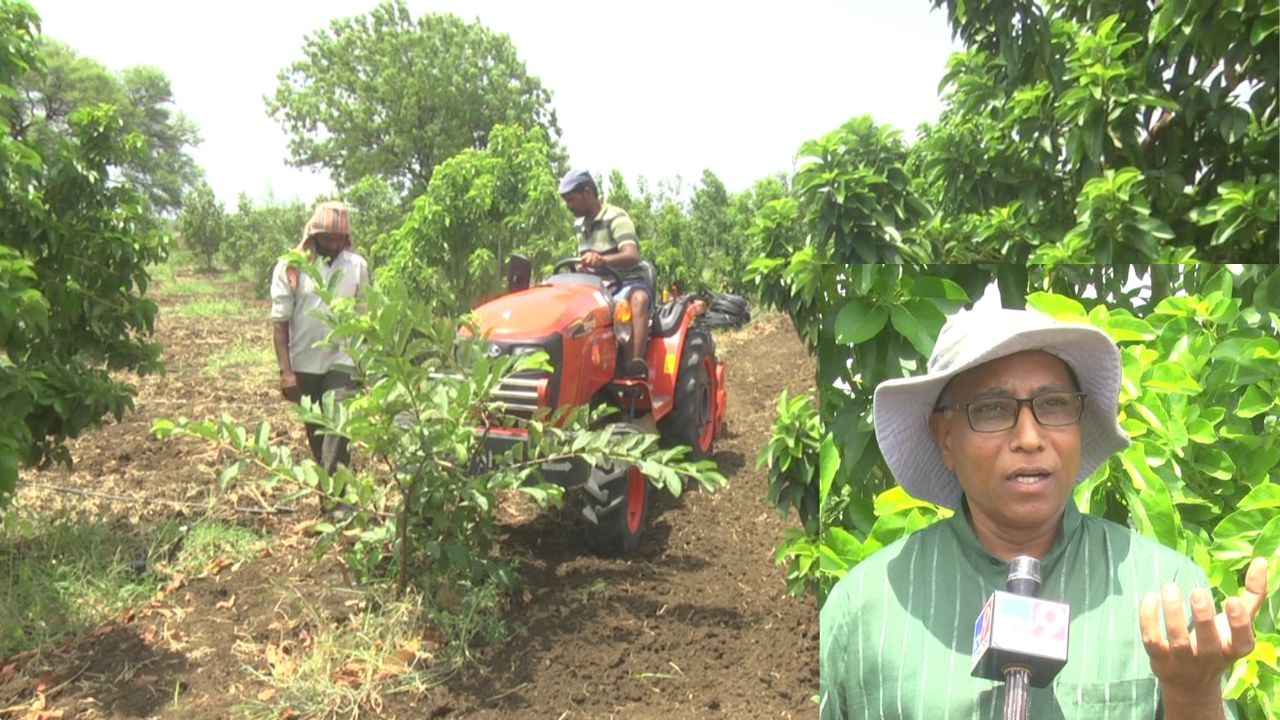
(539, 311)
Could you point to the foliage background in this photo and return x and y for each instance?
(1106, 133)
(73, 269)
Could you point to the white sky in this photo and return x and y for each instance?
(733, 87)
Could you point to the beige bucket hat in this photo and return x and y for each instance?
(902, 407)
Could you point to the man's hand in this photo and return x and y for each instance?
(1189, 665)
(591, 259)
(289, 387)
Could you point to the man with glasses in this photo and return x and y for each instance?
(1014, 410)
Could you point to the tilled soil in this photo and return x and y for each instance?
(694, 624)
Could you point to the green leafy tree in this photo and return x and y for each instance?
(203, 223)
(73, 259)
(166, 170)
(386, 95)
(257, 235)
(855, 194)
(1125, 131)
(700, 244)
(375, 214)
(482, 205)
(44, 100)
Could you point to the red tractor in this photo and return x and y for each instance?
(573, 317)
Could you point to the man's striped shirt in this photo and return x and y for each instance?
(608, 231)
(897, 631)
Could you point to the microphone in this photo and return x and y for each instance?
(1020, 638)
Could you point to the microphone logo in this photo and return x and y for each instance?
(1049, 623)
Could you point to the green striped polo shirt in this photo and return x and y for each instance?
(608, 231)
(897, 631)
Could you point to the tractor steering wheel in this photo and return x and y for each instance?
(610, 276)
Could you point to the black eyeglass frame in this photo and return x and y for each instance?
(1017, 410)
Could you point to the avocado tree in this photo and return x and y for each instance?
(203, 223)
(1092, 132)
(482, 205)
(73, 259)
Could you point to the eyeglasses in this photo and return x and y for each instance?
(996, 414)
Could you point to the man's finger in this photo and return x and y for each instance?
(1208, 643)
(1149, 623)
(1175, 620)
(1255, 587)
(1241, 627)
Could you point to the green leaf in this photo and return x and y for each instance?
(927, 286)
(828, 464)
(1155, 227)
(1255, 402)
(1268, 542)
(859, 321)
(918, 321)
(1057, 306)
(1124, 327)
(1215, 463)
(1149, 499)
(843, 544)
(228, 474)
(1171, 377)
(1233, 123)
(1200, 431)
(895, 500)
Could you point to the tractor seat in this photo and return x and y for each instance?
(666, 319)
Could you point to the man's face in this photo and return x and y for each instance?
(578, 201)
(328, 244)
(1019, 479)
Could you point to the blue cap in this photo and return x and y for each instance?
(574, 178)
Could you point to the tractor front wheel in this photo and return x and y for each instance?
(615, 517)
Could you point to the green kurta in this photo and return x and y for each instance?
(897, 632)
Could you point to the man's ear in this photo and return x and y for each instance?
(940, 427)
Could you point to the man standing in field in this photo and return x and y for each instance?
(309, 368)
(1014, 410)
(607, 237)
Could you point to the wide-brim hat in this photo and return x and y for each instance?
(902, 407)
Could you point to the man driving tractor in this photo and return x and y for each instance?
(607, 236)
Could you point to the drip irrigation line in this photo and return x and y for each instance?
(277, 510)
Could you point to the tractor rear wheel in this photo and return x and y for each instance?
(692, 417)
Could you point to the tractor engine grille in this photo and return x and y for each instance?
(524, 394)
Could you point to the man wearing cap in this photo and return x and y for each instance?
(606, 236)
(309, 369)
(1014, 410)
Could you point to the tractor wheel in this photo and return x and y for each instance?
(616, 511)
(691, 421)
